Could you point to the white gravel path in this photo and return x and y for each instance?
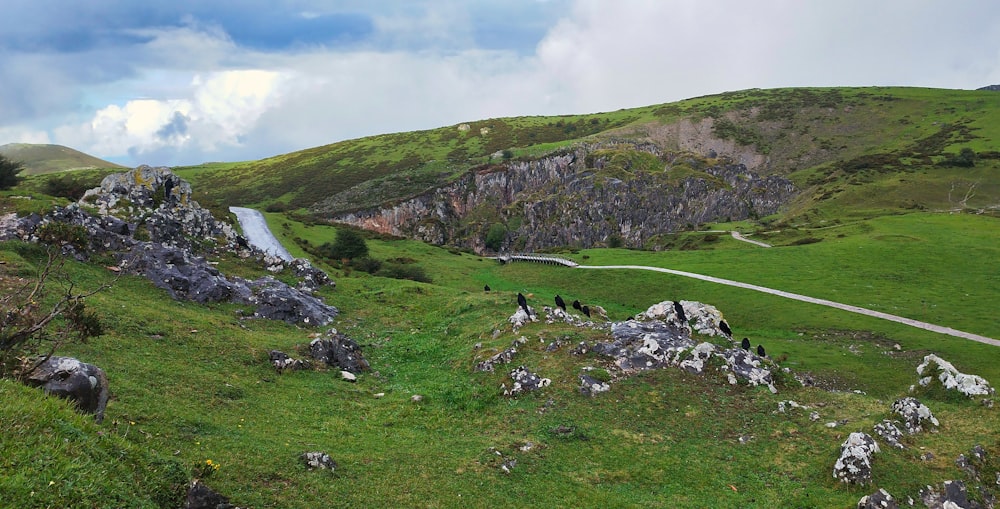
(823, 302)
(257, 233)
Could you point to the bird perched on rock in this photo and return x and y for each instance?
(576, 305)
(521, 301)
(679, 311)
(586, 311)
(561, 303)
(724, 327)
(486, 288)
(746, 344)
(760, 351)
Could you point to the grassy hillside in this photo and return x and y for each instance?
(39, 158)
(865, 151)
(192, 382)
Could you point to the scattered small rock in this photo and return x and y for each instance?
(949, 495)
(591, 386)
(200, 496)
(889, 432)
(348, 376)
(282, 361)
(524, 380)
(318, 460)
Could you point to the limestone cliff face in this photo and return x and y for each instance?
(571, 199)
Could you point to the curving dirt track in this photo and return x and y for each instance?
(823, 302)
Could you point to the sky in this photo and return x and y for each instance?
(183, 82)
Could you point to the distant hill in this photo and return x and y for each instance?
(994, 88)
(40, 158)
(585, 180)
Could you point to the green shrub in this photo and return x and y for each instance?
(404, 271)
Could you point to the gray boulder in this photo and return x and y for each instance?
(949, 495)
(524, 381)
(338, 350)
(66, 377)
(881, 499)
(855, 463)
(590, 386)
(277, 301)
(914, 413)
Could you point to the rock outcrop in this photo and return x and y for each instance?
(915, 414)
(337, 350)
(82, 383)
(147, 220)
(574, 198)
(855, 463)
(951, 378)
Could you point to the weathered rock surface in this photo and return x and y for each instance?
(318, 460)
(855, 463)
(568, 199)
(881, 499)
(889, 432)
(949, 495)
(591, 386)
(82, 383)
(503, 357)
(281, 361)
(524, 381)
(951, 378)
(914, 413)
(340, 351)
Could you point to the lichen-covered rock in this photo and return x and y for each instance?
(881, 499)
(503, 357)
(855, 463)
(161, 202)
(949, 495)
(749, 367)
(889, 432)
(520, 318)
(973, 462)
(524, 381)
(914, 413)
(338, 350)
(281, 361)
(277, 301)
(698, 357)
(591, 386)
(951, 378)
(702, 318)
(66, 377)
(318, 460)
(640, 345)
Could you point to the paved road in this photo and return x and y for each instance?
(738, 236)
(257, 233)
(846, 307)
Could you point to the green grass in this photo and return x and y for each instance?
(196, 383)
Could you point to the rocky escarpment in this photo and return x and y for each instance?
(584, 197)
(147, 221)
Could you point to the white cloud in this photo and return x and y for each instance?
(21, 134)
(221, 108)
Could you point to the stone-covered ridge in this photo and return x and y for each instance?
(567, 199)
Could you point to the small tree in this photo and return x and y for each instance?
(348, 246)
(33, 326)
(8, 173)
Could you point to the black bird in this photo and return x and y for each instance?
(521, 301)
(586, 311)
(760, 351)
(486, 288)
(561, 303)
(576, 305)
(724, 327)
(168, 187)
(746, 344)
(679, 311)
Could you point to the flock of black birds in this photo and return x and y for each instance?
(678, 310)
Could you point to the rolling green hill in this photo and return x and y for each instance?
(40, 158)
(859, 151)
(890, 218)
